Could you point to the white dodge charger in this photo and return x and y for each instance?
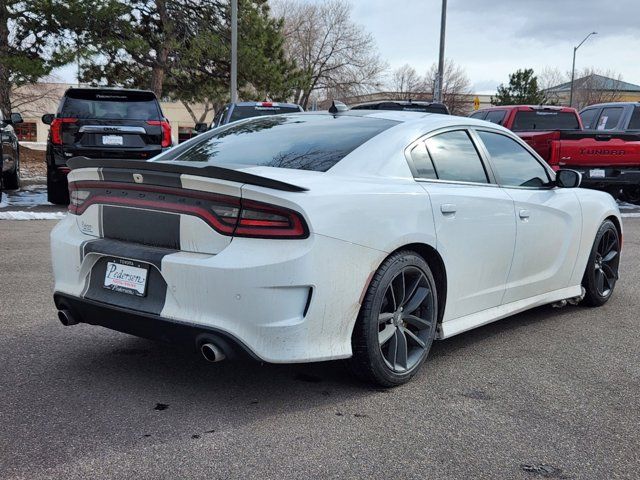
(319, 236)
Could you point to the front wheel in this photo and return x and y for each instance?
(397, 321)
(601, 274)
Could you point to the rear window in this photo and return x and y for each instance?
(115, 105)
(244, 111)
(303, 142)
(545, 120)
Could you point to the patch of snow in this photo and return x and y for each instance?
(630, 215)
(34, 145)
(32, 215)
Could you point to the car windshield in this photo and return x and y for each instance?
(240, 112)
(545, 120)
(108, 105)
(303, 141)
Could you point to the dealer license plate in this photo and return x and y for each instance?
(596, 173)
(112, 140)
(126, 276)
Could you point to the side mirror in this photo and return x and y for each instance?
(568, 178)
(201, 127)
(47, 118)
(16, 118)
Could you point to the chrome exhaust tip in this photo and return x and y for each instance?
(66, 318)
(212, 353)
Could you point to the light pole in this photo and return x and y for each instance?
(234, 51)
(437, 94)
(573, 66)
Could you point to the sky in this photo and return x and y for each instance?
(492, 38)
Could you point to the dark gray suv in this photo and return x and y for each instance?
(10, 161)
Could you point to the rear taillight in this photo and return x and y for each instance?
(166, 131)
(227, 215)
(56, 129)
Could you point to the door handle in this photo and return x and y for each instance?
(448, 208)
(524, 214)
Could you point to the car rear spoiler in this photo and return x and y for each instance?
(207, 171)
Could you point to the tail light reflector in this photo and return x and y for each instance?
(226, 214)
(56, 129)
(166, 131)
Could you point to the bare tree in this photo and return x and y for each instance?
(456, 87)
(34, 98)
(549, 78)
(406, 83)
(596, 86)
(334, 54)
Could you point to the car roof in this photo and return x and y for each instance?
(526, 108)
(106, 89)
(253, 104)
(611, 104)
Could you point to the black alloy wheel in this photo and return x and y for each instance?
(601, 274)
(397, 321)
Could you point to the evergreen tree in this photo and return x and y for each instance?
(522, 90)
(34, 39)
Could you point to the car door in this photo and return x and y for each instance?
(548, 219)
(475, 230)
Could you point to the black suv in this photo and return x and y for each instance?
(102, 123)
(405, 106)
(10, 160)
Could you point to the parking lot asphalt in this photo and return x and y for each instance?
(551, 393)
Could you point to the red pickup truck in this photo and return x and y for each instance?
(536, 125)
(606, 151)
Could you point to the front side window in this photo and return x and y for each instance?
(634, 123)
(455, 157)
(513, 164)
(609, 118)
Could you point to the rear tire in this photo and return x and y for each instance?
(601, 274)
(57, 190)
(397, 321)
(631, 194)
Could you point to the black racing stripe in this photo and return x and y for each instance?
(148, 227)
(153, 302)
(162, 179)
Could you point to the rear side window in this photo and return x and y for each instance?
(513, 164)
(422, 162)
(588, 117)
(455, 157)
(242, 112)
(545, 120)
(496, 116)
(478, 115)
(609, 118)
(111, 105)
(303, 142)
(634, 123)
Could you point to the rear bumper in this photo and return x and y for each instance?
(146, 325)
(613, 177)
(284, 301)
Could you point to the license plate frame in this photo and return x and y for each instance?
(113, 140)
(126, 276)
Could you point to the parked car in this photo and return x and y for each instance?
(10, 160)
(103, 123)
(232, 112)
(536, 125)
(404, 106)
(320, 236)
(607, 153)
